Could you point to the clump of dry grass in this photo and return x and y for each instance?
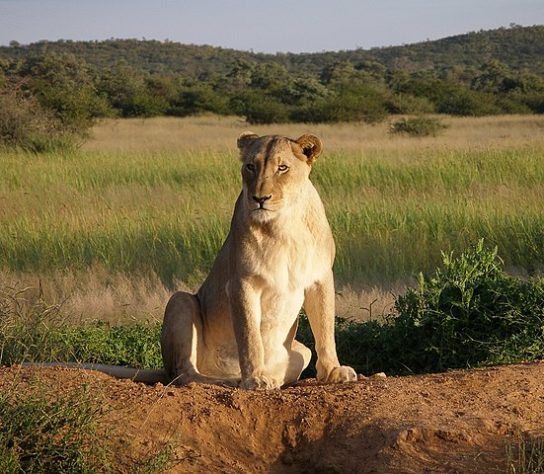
(99, 294)
(96, 293)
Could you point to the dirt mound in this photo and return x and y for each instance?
(454, 422)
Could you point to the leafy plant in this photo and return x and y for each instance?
(50, 433)
(26, 125)
(420, 126)
(469, 313)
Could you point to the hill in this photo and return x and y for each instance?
(483, 73)
(516, 47)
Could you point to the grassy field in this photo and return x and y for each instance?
(144, 206)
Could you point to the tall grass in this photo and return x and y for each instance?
(157, 203)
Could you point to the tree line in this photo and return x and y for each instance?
(484, 73)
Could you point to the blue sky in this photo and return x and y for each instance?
(261, 26)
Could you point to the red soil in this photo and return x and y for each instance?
(458, 421)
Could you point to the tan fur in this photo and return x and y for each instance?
(240, 326)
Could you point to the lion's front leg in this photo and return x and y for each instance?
(246, 317)
(319, 306)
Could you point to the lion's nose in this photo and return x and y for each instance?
(261, 200)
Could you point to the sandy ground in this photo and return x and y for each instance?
(458, 421)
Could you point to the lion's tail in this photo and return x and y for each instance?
(148, 376)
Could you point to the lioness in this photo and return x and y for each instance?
(240, 327)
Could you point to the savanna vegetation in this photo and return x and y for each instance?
(468, 313)
(137, 211)
(485, 73)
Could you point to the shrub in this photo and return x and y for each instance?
(418, 126)
(472, 312)
(259, 108)
(409, 104)
(198, 99)
(535, 101)
(143, 104)
(468, 313)
(25, 124)
(344, 105)
(467, 103)
(66, 86)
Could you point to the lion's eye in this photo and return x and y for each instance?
(250, 167)
(283, 168)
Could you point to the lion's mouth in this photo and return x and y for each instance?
(261, 207)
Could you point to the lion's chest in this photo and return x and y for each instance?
(284, 266)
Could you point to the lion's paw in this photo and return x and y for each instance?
(341, 374)
(260, 382)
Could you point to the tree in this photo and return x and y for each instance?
(66, 85)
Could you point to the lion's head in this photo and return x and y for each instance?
(274, 171)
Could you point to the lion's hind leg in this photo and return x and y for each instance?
(181, 338)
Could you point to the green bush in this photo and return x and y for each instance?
(25, 124)
(66, 86)
(469, 313)
(346, 103)
(467, 103)
(418, 126)
(198, 99)
(472, 312)
(409, 104)
(259, 108)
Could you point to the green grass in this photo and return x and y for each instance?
(50, 433)
(44, 430)
(169, 212)
(33, 330)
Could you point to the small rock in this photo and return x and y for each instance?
(379, 375)
(361, 377)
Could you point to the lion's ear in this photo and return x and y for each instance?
(311, 146)
(245, 138)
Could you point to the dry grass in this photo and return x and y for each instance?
(98, 294)
(219, 134)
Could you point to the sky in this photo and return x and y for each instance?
(261, 26)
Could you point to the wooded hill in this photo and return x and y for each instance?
(480, 73)
(518, 48)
